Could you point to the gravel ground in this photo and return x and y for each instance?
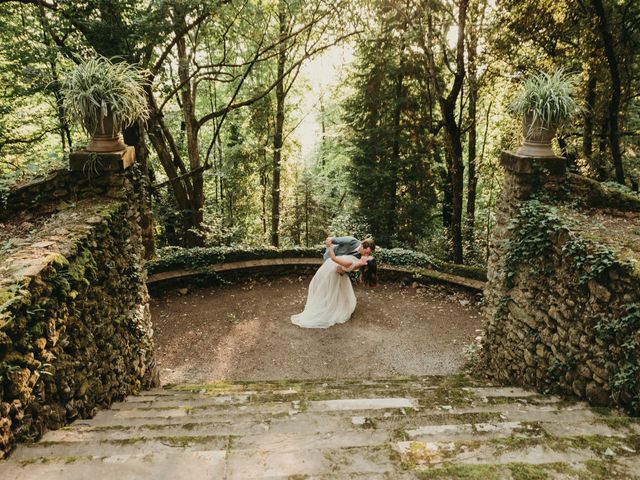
(244, 332)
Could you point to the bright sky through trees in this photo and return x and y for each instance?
(321, 74)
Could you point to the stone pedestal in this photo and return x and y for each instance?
(525, 175)
(98, 162)
(522, 164)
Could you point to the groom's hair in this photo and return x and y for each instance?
(369, 243)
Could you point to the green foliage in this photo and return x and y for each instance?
(194, 258)
(590, 259)
(548, 98)
(535, 227)
(97, 87)
(532, 229)
(404, 258)
(621, 334)
(620, 188)
(173, 258)
(395, 162)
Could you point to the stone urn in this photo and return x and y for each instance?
(536, 140)
(107, 137)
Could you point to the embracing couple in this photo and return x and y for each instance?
(331, 299)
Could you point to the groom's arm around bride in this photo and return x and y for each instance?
(351, 246)
(343, 246)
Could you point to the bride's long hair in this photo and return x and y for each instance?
(369, 274)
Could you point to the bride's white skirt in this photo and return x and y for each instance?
(330, 299)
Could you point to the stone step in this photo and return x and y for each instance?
(342, 463)
(414, 384)
(169, 398)
(589, 470)
(183, 409)
(247, 419)
(349, 430)
(556, 422)
(115, 448)
(157, 466)
(181, 405)
(301, 436)
(353, 463)
(417, 453)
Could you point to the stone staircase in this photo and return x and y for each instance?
(429, 428)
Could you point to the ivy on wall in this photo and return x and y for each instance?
(536, 228)
(622, 335)
(542, 244)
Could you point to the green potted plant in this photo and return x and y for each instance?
(104, 97)
(545, 102)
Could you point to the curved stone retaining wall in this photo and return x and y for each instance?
(75, 328)
(185, 265)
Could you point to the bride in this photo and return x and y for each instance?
(331, 299)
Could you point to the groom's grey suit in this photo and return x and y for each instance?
(343, 246)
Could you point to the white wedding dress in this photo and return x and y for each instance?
(330, 299)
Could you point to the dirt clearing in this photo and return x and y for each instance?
(244, 332)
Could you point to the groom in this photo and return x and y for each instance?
(351, 246)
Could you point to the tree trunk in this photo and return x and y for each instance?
(194, 216)
(392, 214)
(453, 136)
(472, 178)
(307, 193)
(279, 127)
(323, 141)
(453, 141)
(602, 171)
(445, 186)
(587, 135)
(65, 132)
(566, 153)
(134, 136)
(614, 103)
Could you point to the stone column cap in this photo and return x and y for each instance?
(105, 161)
(513, 162)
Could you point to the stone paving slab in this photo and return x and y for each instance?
(292, 442)
(186, 402)
(112, 448)
(252, 465)
(433, 453)
(457, 430)
(156, 466)
(361, 404)
(198, 411)
(506, 392)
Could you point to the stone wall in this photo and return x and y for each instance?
(63, 187)
(75, 328)
(563, 293)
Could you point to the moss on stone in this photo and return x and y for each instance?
(83, 272)
(618, 422)
(593, 470)
(598, 444)
(515, 471)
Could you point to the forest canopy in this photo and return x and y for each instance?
(280, 122)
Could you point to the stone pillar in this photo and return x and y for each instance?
(92, 164)
(523, 177)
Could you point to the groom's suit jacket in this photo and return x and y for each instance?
(343, 246)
